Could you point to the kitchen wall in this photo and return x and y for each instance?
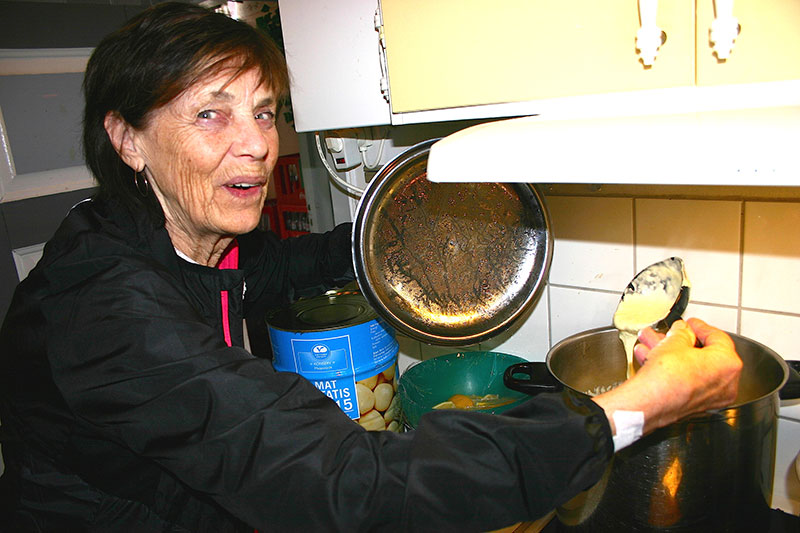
(742, 254)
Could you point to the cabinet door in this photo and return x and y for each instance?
(334, 61)
(767, 48)
(452, 53)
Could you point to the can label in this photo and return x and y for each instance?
(340, 361)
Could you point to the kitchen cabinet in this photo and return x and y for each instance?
(333, 53)
(452, 60)
(471, 53)
(767, 48)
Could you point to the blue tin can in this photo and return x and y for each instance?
(338, 342)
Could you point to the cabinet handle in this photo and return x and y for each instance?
(724, 29)
(649, 38)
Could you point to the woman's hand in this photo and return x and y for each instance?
(677, 378)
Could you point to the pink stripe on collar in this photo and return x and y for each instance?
(230, 260)
(230, 257)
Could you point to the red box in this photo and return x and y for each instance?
(288, 181)
(269, 218)
(293, 220)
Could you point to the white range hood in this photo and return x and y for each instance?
(743, 135)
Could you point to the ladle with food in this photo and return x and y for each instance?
(656, 297)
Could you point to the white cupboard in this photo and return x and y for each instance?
(376, 62)
(471, 52)
(466, 53)
(333, 54)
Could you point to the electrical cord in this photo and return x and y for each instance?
(333, 174)
(377, 164)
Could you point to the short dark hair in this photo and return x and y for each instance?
(151, 60)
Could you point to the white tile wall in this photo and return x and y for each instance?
(428, 351)
(704, 233)
(743, 258)
(722, 317)
(771, 259)
(573, 310)
(593, 242)
(529, 338)
(408, 353)
(779, 332)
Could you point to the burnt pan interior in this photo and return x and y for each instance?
(449, 263)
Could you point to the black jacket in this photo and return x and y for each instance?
(123, 409)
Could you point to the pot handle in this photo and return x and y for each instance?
(790, 389)
(538, 378)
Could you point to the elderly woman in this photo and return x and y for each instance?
(127, 399)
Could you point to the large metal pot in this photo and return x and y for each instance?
(711, 472)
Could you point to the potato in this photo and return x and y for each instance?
(383, 396)
(377, 401)
(370, 382)
(366, 398)
(372, 421)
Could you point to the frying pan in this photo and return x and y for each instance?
(449, 263)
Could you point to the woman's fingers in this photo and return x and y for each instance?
(648, 338)
(709, 336)
(679, 378)
(719, 350)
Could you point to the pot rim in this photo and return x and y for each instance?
(603, 329)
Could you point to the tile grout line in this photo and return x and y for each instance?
(708, 304)
(742, 221)
(549, 315)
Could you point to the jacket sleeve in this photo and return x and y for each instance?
(281, 456)
(280, 271)
(277, 272)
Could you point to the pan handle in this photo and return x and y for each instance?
(790, 389)
(537, 378)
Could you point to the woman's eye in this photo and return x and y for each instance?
(206, 114)
(268, 116)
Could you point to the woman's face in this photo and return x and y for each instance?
(209, 155)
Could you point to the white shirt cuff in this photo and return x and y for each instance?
(629, 426)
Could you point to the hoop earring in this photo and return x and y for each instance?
(141, 183)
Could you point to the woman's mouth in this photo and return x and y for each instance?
(244, 190)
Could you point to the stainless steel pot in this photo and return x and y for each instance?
(711, 472)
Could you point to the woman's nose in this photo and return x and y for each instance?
(250, 139)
